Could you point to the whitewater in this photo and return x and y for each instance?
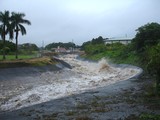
(41, 86)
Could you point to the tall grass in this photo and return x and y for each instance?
(12, 57)
(22, 55)
(116, 53)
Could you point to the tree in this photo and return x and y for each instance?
(29, 47)
(85, 44)
(4, 28)
(1, 32)
(60, 44)
(17, 19)
(147, 44)
(8, 44)
(147, 35)
(153, 65)
(98, 40)
(94, 41)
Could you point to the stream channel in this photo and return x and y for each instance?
(23, 87)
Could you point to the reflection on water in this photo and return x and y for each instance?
(83, 76)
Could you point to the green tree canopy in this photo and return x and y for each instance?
(147, 35)
(153, 65)
(28, 46)
(55, 45)
(9, 45)
(94, 41)
(98, 40)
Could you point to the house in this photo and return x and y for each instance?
(59, 50)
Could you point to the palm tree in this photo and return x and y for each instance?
(16, 23)
(1, 32)
(4, 28)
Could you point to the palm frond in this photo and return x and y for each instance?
(10, 30)
(4, 19)
(17, 20)
(26, 22)
(22, 29)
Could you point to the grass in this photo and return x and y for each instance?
(115, 56)
(144, 116)
(149, 117)
(26, 62)
(12, 57)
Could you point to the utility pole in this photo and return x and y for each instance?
(42, 49)
(72, 45)
(42, 44)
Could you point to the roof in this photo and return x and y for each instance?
(119, 39)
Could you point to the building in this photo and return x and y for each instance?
(59, 50)
(120, 40)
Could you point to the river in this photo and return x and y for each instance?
(22, 87)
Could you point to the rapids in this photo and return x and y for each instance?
(49, 85)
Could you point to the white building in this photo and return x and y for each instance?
(120, 40)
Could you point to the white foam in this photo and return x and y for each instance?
(84, 75)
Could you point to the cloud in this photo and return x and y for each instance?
(82, 20)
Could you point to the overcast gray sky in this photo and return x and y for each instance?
(82, 20)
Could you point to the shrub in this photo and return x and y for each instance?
(153, 66)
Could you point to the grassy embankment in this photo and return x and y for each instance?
(116, 54)
(25, 60)
(12, 57)
(115, 57)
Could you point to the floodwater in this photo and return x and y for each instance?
(22, 87)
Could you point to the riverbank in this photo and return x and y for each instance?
(42, 61)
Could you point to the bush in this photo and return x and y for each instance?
(153, 66)
(94, 49)
(147, 35)
(9, 47)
